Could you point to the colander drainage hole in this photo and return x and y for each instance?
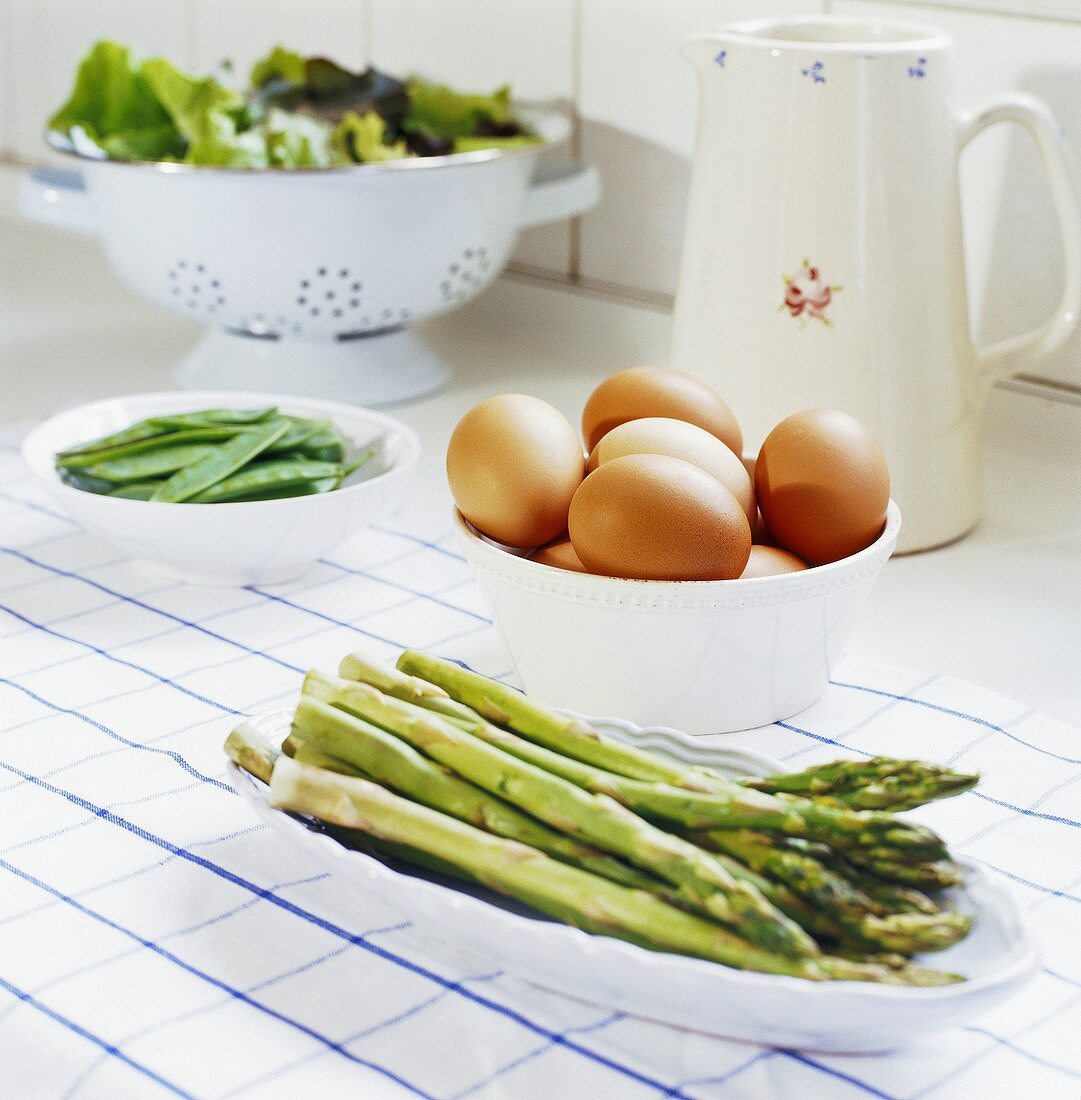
(331, 291)
(189, 284)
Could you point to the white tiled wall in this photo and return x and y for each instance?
(242, 31)
(1012, 240)
(637, 104)
(49, 36)
(616, 65)
(483, 44)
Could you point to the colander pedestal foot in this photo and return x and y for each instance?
(376, 370)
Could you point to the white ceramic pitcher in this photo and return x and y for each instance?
(823, 261)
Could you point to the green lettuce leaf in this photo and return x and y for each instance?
(210, 116)
(280, 64)
(301, 112)
(362, 138)
(299, 141)
(113, 107)
(472, 144)
(440, 110)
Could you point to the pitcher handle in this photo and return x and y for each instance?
(1010, 355)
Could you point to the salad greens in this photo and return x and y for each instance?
(213, 456)
(296, 112)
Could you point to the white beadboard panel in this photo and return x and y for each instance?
(1026, 9)
(479, 45)
(1012, 243)
(50, 36)
(242, 31)
(638, 105)
(7, 85)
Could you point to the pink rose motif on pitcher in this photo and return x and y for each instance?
(806, 294)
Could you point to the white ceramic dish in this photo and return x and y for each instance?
(842, 1017)
(310, 280)
(261, 542)
(705, 656)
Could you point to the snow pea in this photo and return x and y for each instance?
(136, 490)
(223, 460)
(302, 489)
(300, 431)
(326, 446)
(85, 482)
(143, 430)
(262, 477)
(208, 418)
(352, 467)
(168, 439)
(157, 463)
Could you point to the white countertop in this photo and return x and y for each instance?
(1001, 608)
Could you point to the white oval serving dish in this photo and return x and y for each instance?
(259, 542)
(837, 1017)
(705, 656)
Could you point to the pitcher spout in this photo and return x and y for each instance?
(704, 48)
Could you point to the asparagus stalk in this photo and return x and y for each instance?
(727, 805)
(330, 738)
(939, 874)
(701, 881)
(888, 897)
(254, 754)
(830, 893)
(880, 783)
(568, 893)
(709, 793)
(788, 902)
(572, 737)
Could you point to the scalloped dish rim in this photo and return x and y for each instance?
(683, 747)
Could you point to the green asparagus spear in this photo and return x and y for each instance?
(880, 783)
(784, 899)
(555, 888)
(936, 875)
(252, 752)
(828, 892)
(889, 897)
(596, 819)
(322, 734)
(725, 805)
(573, 737)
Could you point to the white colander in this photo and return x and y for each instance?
(310, 280)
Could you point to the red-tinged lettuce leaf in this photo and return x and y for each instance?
(321, 87)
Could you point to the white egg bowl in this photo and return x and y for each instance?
(257, 542)
(703, 656)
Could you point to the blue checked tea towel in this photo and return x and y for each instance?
(155, 939)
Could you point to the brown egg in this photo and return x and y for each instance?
(654, 517)
(657, 391)
(822, 484)
(560, 555)
(760, 535)
(770, 561)
(513, 464)
(658, 435)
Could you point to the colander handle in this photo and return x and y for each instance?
(560, 191)
(55, 197)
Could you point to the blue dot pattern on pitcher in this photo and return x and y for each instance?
(815, 72)
(720, 58)
(919, 70)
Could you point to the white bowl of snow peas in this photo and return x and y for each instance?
(220, 487)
